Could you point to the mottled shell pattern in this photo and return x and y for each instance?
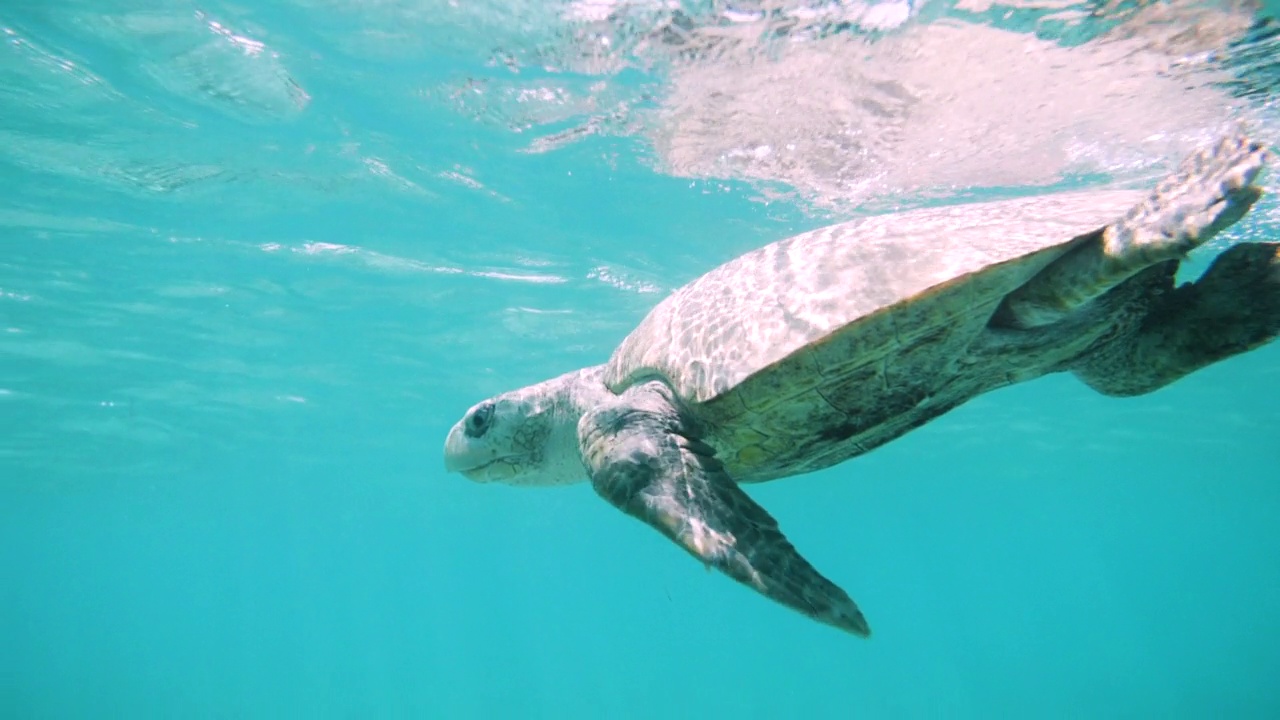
(802, 334)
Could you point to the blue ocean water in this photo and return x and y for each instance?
(255, 262)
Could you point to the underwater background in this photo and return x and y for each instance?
(257, 258)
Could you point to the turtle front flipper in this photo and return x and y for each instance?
(1208, 193)
(646, 459)
(1233, 308)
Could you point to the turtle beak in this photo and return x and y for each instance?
(459, 455)
(474, 460)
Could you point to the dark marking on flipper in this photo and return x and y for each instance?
(648, 461)
(1233, 308)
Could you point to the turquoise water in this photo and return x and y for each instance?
(245, 291)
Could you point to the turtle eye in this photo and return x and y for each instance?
(478, 423)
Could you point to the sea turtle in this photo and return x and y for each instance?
(820, 347)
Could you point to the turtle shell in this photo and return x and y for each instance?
(825, 333)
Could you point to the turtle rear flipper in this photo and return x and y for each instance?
(1233, 308)
(1209, 192)
(646, 461)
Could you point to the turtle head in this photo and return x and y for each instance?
(524, 437)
